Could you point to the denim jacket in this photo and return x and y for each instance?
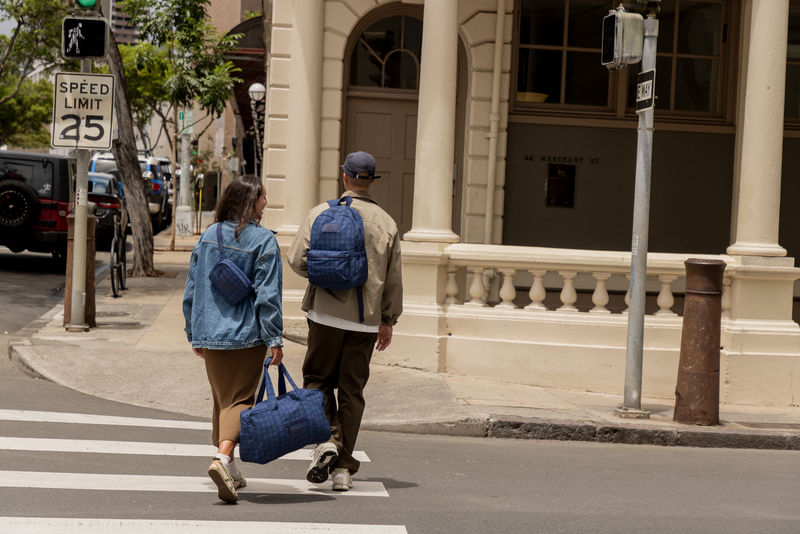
(213, 323)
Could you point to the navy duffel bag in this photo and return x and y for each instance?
(278, 426)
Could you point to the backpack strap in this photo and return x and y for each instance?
(219, 241)
(360, 294)
(338, 201)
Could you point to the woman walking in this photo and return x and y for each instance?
(233, 339)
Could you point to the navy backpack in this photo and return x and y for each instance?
(337, 254)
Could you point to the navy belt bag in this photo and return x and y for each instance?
(278, 426)
(229, 279)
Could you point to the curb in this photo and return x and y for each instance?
(550, 429)
(474, 428)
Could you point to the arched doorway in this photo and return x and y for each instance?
(381, 80)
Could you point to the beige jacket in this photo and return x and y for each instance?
(383, 292)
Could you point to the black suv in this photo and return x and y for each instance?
(36, 194)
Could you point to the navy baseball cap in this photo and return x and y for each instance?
(360, 165)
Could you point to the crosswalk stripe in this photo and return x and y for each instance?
(92, 419)
(133, 447)
(109, 482)
(36, 525)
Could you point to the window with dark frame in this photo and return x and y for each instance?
(387, 54)
(558, 59)
(689, 57)
(558, 55)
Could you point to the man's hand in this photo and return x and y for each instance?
(199, 352)
(384, 337)
(277, 355)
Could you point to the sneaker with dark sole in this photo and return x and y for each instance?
(322, 457)
(226, 489)
(239, 481)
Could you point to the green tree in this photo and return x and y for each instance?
(24, 117)
(34, 41)
(198, 70)
(147, 94)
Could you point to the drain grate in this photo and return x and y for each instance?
(111, 314)
(770, 426)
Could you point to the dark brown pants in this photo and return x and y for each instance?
(339, 359)
(234, 376)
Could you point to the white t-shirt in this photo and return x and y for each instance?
(342, 324)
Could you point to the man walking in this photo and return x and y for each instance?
(343, 328)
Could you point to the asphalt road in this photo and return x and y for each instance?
(51, 471)
(430, 484)
(30, 285)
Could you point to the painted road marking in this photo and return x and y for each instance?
(92, 419)
(134, 447)
(36, 525)
(175, 484)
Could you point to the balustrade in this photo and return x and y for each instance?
(483, 263)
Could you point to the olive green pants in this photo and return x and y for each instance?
(339, 360)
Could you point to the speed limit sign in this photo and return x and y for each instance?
(83, 111)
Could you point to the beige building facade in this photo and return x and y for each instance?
(507, 155)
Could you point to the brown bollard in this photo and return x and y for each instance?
(89, 307)
(697, 392)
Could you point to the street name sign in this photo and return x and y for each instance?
(83, 111)
(645, 91)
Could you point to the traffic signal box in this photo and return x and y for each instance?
(84, 37)
(623, 38)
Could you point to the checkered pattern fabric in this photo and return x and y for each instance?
(227, 278)
(278, 426)
(337, 255)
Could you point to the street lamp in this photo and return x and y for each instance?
(258, 102)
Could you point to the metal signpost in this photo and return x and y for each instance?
(83, 116)
(627, 32)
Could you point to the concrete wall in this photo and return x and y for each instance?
(690, 196)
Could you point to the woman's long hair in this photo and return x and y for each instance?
(238, 201)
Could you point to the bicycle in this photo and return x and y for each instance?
(119, 263)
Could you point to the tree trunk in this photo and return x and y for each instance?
(124, 150)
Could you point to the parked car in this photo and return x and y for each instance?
(37, 192)
(106, 191)
(153, 176)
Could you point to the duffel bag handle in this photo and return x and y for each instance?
(266, 384)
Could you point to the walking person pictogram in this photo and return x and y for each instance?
(75, 34)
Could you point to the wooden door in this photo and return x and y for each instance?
(387, 129)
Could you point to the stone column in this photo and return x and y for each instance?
(433, 170)
(759, 193)
(301, 191)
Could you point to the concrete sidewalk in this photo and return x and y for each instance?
(138, 354)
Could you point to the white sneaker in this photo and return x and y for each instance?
(323, 456)
(341, 479)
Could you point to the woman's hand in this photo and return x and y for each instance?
(277, 355)
(199, 352)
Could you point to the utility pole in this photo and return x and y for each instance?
(184, 215)
(628, 38)
(82, 37)
(78, 304)
(645, 99)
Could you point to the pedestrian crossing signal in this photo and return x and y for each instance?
(84, 38)
(623, 39)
